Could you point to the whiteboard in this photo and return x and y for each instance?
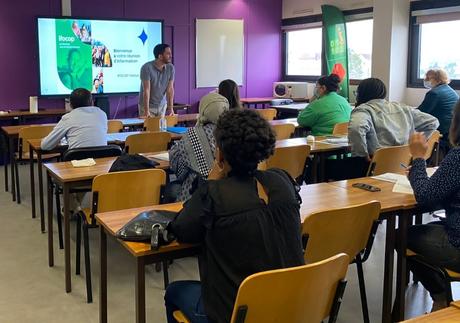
(219, 51)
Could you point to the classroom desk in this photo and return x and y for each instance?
(450, 314)
(109, 224)
(139, 122)
(291, 110)
(320, 150)
(66, 176)
(117, 138)
(21, 116)
(284, 121)
(256, 101)
(316, 197)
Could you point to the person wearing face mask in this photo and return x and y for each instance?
(328, 109)
(439, 102)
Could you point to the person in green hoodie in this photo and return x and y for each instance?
(328, 109)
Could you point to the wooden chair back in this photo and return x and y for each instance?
(283, 131)
(114, 126)
(433, 144)
(340, 129)
(153, 123)
(125, 190)
(147, 142)
(389, 160)
(344, 230)
(268, 114)
(291, 159)
(305, 293)
(32, 132)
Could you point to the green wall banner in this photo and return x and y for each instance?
(336, 49)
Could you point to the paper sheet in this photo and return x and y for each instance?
(83, 162)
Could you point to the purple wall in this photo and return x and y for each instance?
(262, 44)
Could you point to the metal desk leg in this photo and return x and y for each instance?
(68, 278)
(103, 275)
(32, 182)
(401, 268)
(388, 269)
(40, 188)
(140, 290)
(11, 151)
(5, 160)
(50, 221)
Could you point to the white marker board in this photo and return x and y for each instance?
(219, 51)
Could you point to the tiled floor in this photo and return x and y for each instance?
(32, 292)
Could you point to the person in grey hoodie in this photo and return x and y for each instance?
(376, 123)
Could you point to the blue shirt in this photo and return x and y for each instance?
(82, 127)
(440, 102)
(442, 190)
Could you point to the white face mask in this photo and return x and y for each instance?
(427, 84)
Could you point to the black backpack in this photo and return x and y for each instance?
(132, 162)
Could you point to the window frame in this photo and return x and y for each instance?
(314, 19)
(413, 64)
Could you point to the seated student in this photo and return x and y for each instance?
(328, 109)
(84, 126)
(376, 122)
(438, 242)
(229, 89)
(193, 155)
(240, 233)
(439, 101)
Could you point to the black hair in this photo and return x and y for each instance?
(160, 49)
(229, 89)
(331, 82)
(370, 89)
(245, 139)
(80, 98)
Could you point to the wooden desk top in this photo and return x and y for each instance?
(65, 172)
(256, 100)
(113, 221)
(285, 121)
(13, 131)
(140, 121)
(389, 200)
(316, 147)
(40, 113)
(447, 315)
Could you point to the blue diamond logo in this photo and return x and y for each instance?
(143, 37)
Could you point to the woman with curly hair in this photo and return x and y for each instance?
(240, 232)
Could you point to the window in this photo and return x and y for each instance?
(438, 49)
(303, 52)
(432, 44)
(359, 37)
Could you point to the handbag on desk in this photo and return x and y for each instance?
(149, 226)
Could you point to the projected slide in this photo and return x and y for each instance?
(103, 56)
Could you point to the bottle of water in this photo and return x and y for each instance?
(163, 124)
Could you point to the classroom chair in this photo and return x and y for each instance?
(77, 154)
(308, 293)
(112, 192)
(350, 230)
(283, 131)
(153, 123)
(114, 126)
(449, 276)
(389, 160)
(340, 129)
(291, 159)
(147, 142)
(432, 153)
(268, 114)
(23, 154)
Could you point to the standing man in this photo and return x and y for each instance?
(156, 95)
